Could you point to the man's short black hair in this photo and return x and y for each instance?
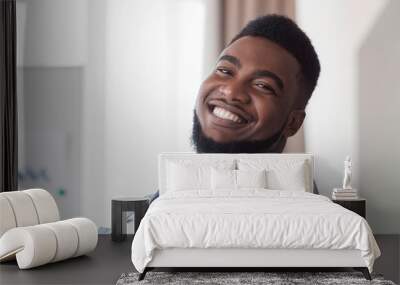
(284, 32)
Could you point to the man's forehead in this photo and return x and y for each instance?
(260, 53)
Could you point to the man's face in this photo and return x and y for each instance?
(250, 94)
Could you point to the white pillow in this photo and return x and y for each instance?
(190, 174)
(281, 174)
(223, 179)
(251, 178)
(292, 178)
(237, 179)
(184, 177)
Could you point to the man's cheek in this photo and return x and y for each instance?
(268, 113)
(265, 127)
(201, 113)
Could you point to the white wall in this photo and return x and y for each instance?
(138, 102)
(134, 68)
(93, 178)
(51, 52)
(379, 117)
(56, 32)
(153, 65)
(338, 29)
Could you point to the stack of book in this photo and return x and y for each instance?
(344, 194)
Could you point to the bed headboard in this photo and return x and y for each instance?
(165, 158)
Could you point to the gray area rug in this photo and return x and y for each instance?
(228, 278)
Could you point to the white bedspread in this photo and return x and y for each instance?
(250, 219)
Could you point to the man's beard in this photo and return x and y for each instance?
(203, 144)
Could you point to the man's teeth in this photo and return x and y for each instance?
(225, 114)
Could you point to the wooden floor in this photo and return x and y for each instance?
(110, 260)
(102, 266)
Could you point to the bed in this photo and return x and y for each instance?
(246, 211)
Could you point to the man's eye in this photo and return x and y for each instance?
(265, 88)
(223, 71)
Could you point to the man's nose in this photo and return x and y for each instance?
(234, 92)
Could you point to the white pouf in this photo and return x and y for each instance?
(30, 230)
(23, 208)
(45, 205)
(7, 218)
(37, 245)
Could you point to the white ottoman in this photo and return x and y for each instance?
(31, 232)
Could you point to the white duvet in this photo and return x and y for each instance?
(250, 219)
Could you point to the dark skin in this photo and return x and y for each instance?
(253, 93)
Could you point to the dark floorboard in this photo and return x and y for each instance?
(110, 260)
(102, 266)
(389, 262)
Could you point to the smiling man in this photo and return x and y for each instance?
(255, 98)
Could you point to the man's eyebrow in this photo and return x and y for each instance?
(270, 74)
(234, 60)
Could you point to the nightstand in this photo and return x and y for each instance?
(119, 207)
(358, 206)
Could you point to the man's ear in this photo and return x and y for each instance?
(294, 122)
